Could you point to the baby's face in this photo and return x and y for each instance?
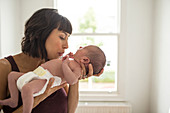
(80, 53)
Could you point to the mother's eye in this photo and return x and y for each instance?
(62, 38)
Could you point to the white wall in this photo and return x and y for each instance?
(28, 7)
(160, 90)
(137, 34)
(14, 14)
(10, 27)
(136, 44)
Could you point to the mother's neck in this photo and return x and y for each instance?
(27, 63)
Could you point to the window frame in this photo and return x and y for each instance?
(118, 95)
(104, 95)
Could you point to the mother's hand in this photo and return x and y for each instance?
(47, 92)
(50, 90)
(43, 96)
(90, 71)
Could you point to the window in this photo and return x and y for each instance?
(95, 22)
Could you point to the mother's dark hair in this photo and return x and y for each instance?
(37, 29)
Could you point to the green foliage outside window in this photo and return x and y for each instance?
(88, 24)
(106, 77)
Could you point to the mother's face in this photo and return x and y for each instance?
(56, 44)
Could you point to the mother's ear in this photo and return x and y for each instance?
(85, 60)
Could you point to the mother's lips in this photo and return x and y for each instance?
(61, 54)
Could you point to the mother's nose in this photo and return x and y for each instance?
(65, 45)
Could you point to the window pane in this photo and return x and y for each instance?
(109, 45)
(90, 16)
(94, 16)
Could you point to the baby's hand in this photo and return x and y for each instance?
(70, 56)
(66, 60)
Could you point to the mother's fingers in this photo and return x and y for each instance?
(60, 86)
(50, 90)
(51, 81)
(83, 69)
(100, 72)
(90, 70)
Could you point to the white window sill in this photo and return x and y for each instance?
(104, 107)
(100, 96)
(104, 103)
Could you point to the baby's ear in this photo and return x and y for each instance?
(85, 60)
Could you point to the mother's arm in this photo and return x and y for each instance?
(73, 93)
(43, 96)
(73, 97)
(5, 68)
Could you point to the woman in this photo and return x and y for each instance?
(46, 38)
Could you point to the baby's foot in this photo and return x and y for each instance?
(10, 102)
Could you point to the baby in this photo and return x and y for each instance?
(34, 83)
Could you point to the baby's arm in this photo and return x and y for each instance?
(70, 76)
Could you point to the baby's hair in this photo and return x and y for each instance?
(97, 58)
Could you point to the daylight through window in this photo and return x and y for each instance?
(95, 22)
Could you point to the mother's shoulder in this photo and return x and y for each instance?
(5, 66)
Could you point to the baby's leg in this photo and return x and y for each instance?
(27, 93)
(13, 100)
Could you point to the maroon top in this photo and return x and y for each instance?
(55, 103)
